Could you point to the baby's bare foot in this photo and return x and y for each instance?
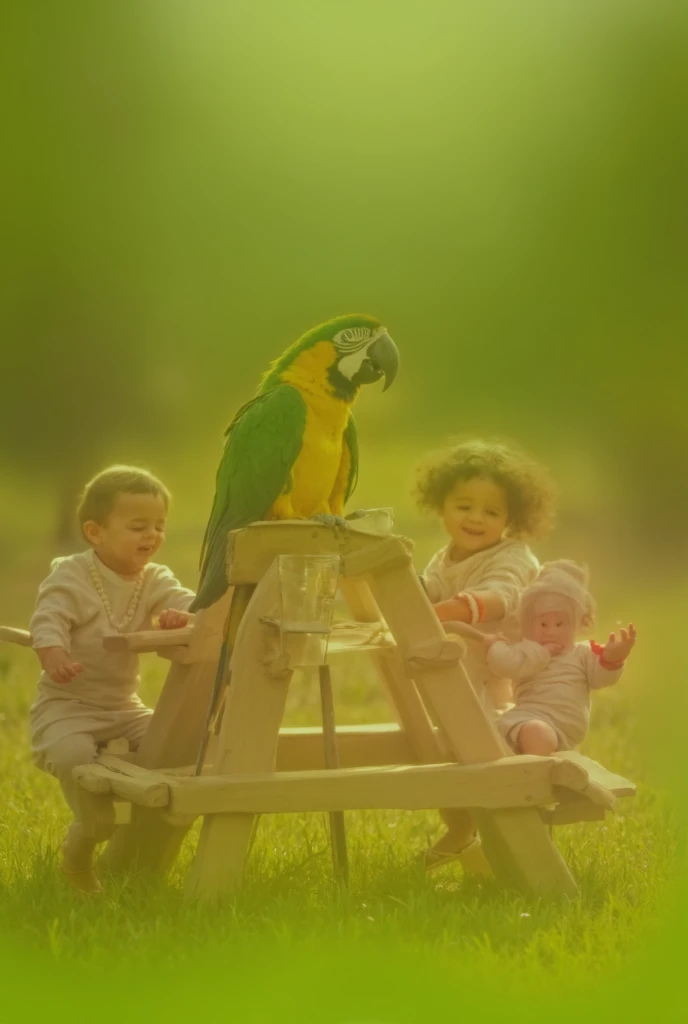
(77, 861)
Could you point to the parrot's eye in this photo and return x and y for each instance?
(351, 338)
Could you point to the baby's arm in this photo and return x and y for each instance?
(54, 617)
(517, 661)
(605, 664)
(489, 603)
(57, 664)
(170, 600)
(495, 596)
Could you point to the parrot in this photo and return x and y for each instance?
(291, 452)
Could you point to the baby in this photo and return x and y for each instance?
(491, 499)
(552, 674)
(86, 695)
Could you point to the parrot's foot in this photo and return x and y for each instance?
(335, 523)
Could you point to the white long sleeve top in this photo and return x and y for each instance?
(70, 613)
(558, 684)
(507, 568)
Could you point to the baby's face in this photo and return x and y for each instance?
(553, 629)
(131, 534)
(475, 514)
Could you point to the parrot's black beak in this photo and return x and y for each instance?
(382, 360)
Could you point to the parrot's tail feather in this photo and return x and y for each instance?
(209, 593)
(213, 583)
(240, 601)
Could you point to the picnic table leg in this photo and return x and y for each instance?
(340, 856)
(247, 743)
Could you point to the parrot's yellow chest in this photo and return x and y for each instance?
(320, 463)
(317, 466)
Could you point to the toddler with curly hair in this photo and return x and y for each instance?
(492, 499)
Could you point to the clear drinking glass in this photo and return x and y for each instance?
(381, 521)
(308, 585)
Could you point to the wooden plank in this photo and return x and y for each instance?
(520, 781)
(617, 784)
(97, 815)
(15, 636)
(572, 811)
(149, 639)
(122, 812)
(342, 647)
(148, 792)
(118, 747)
(358, 747)
(428, 744)
(252, 550)
(178, 653)
(116, 768)
(247, 743)
(568, 774)
(517, 842)
(425, 741)
(184, 821)
(175, 732)
(172, 739)
(92, 779)
(391, 553)
(123, 766)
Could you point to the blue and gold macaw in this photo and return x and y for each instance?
(292, 451)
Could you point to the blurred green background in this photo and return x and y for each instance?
(187, 187)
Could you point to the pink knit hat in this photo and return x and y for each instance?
(557, 580)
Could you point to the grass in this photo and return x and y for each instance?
(399, 943)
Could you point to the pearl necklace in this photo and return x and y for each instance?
(133, 602)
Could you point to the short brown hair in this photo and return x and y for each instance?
(529, 490)
(100, 493)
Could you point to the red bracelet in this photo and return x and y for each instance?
(611, 665)
(598, 649)
(471, 602)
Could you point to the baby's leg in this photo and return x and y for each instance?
(536, 737)
(135, 729)
(77, 849)
(62, 756)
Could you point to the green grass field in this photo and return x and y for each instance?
(399, 943)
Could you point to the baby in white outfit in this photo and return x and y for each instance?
(552, 675)
(87, 696)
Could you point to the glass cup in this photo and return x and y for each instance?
(308, 585)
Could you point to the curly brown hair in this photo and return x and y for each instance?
(530, 492)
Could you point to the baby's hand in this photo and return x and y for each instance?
(57, 664)
(618, 650)
(553, 648)
(171, 618)
(492, 638)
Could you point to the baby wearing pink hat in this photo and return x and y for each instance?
(552, 674)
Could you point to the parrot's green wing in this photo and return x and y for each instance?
(351, 443)
(263, 442)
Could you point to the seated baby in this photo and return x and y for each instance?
(552, 675)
